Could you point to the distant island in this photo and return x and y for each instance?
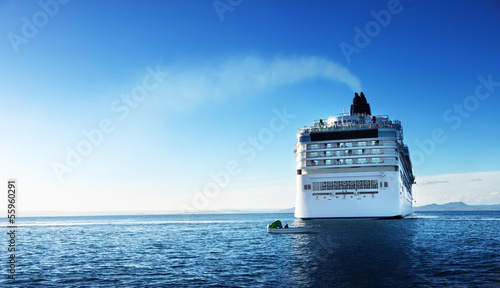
(457, 206)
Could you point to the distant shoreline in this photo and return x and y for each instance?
(456, 206)
(25, 214)
(452, 206)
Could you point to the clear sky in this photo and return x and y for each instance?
(167, 105)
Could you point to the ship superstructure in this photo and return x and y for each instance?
(353, 165)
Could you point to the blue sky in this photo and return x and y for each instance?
(183, 86)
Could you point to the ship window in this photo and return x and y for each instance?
(299, 171)
(336, 184)
(352, 185)
(315, 186)
(366, 184)
(359, 184)
(329, 162)
(323, 185)
(374, 184)
(386, 184)
(305, 138)
(387, 134)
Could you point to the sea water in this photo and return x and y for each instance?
(431, 249)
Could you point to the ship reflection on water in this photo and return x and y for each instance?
(354, 253)
(447, 249)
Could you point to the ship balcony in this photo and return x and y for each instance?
(348, 162)
(347, 145)
(349, 153)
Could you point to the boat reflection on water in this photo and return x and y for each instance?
(353, 253)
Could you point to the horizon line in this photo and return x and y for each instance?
(49, 213)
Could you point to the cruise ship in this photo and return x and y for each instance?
(353, 166)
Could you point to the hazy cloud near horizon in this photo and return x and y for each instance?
(432, 182)
(476, 188)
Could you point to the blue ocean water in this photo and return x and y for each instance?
(438, 249)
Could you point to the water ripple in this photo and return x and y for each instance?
(426, 250)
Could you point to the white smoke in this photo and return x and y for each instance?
(239, 76)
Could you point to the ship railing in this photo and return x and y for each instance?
(348, 126)
(340, 115)
(349, 145)
(344, 153)
(339, 162)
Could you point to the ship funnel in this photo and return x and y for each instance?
(360, 105)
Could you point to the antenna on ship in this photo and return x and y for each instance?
(343, 113)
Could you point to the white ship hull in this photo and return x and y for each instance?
(385, 202)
